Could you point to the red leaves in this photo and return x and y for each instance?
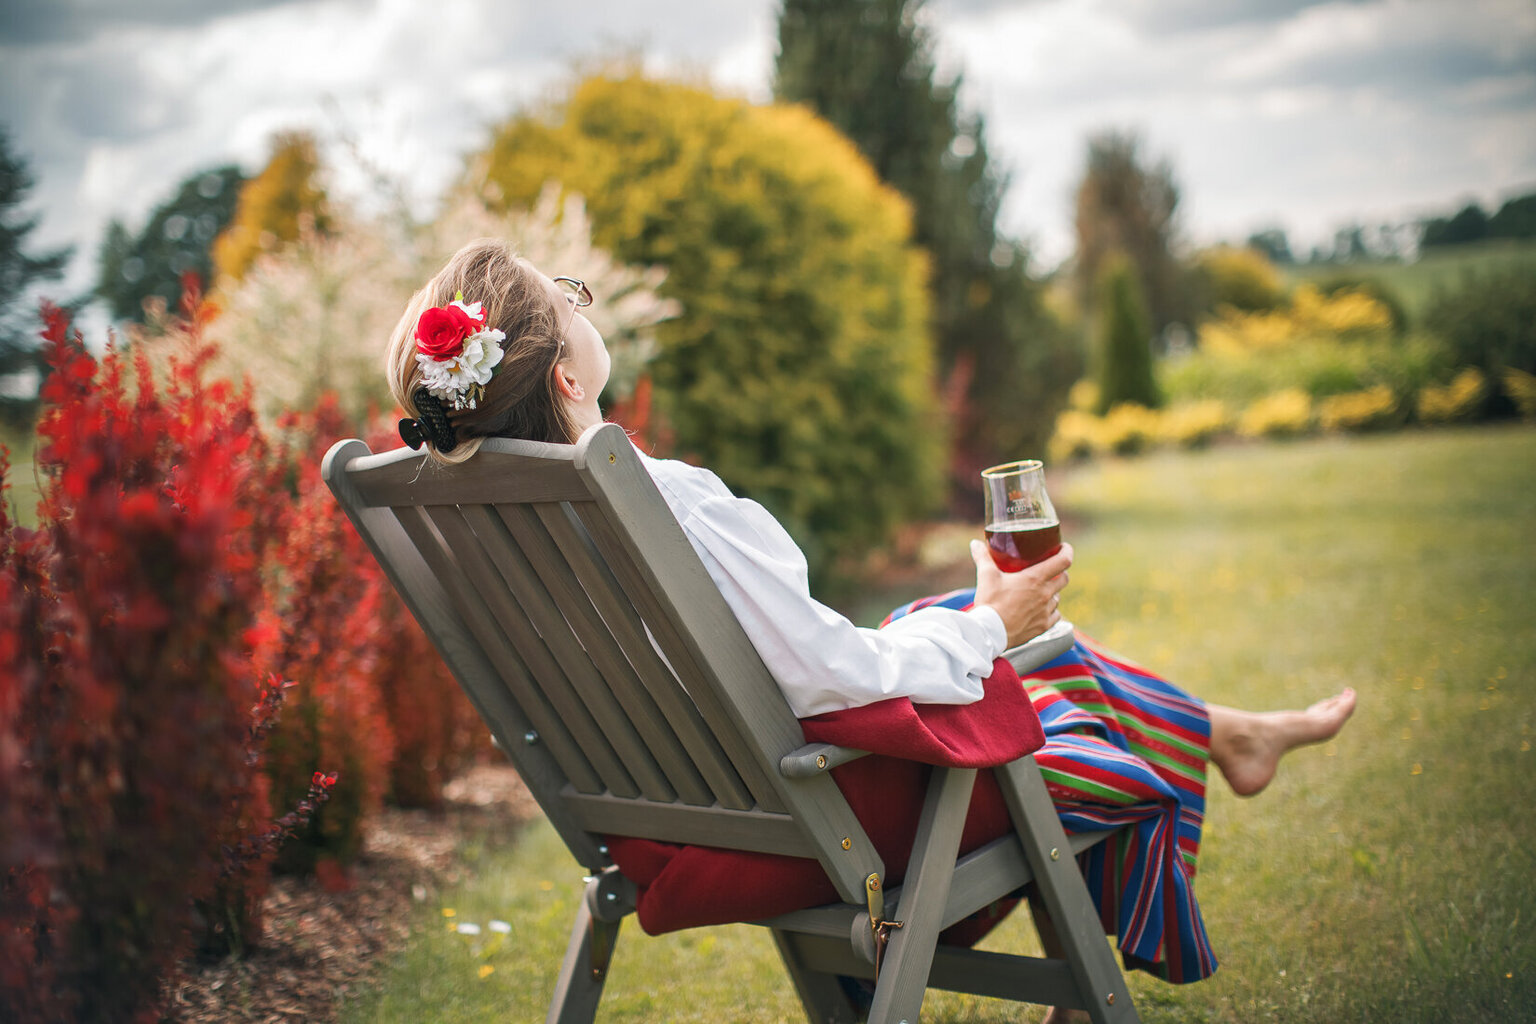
(181, 563)
(127, 694)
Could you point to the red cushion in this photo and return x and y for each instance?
(689, 886)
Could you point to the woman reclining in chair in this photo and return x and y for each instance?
(532, 367)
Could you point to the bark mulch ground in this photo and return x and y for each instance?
(323, 947)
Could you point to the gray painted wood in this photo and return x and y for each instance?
(1005, 976)
(633, 644)
(684, 823)
(980, 878)
(998, 975)
(815, 758)
(693, 677)
(1033, 653)
(579, 988)
(468, 602)
(832, 921)
(429, 604)
(909, 955)
(596, 650)
(824, 1000)
(419, 481)
(534, 571)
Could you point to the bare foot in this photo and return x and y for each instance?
(1247, 745)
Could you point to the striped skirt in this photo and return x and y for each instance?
(1125, 748)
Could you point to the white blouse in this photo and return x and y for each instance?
(822, 661)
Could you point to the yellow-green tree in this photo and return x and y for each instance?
(276, 206)
(1243, 279)
(800, 368)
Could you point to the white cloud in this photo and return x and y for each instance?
(1275, 111)
(1310, 114)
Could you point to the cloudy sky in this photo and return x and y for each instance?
(1271, 112)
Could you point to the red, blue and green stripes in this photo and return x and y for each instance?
(1126, 750)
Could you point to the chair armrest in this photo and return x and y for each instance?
(1033, 653)
(815, 758)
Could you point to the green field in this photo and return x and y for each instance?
(1440, 269)
(1388, 875)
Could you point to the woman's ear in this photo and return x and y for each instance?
(567, 385)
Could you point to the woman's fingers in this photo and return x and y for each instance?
(1055, 565)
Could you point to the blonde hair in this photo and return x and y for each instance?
(521, 399)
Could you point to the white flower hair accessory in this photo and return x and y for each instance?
(456, 351)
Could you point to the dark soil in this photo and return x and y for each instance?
(324, 947)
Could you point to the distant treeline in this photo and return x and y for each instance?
(1355, 242)
(1515, 219)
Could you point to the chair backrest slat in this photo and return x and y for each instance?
(579, 640)
(558, 719)
(680, 657)
(406, 483)
(636, 647)
(498, 696)
(510, 637)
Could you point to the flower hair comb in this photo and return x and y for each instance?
(456, 352)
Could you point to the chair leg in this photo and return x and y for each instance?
(909, 956)
(822, 994)
(1104, 993)
(584, 969)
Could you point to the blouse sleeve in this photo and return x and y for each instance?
(822, 661)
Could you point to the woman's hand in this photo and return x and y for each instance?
(1026, 600)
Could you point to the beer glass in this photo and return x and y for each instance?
(1022, 527)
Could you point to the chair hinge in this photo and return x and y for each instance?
(880, 928)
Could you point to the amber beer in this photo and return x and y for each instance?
(1022, 526)
(1021, 543)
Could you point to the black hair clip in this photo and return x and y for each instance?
(433, 425)
(410, 433)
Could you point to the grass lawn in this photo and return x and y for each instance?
(1389, 875)
(22, 492)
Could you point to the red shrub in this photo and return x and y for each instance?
(129, 685)
(314, 625)
(437, 731)
(180, 559)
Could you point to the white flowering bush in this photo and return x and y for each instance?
(556, 236)
(315, 316)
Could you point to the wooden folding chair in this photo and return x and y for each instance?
(566, 600)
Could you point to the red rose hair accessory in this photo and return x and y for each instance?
(456, 352)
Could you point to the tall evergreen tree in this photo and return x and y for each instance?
(1127, 206)
(1122, 346)
(177, 240)
(19, 270)
(868, 67)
